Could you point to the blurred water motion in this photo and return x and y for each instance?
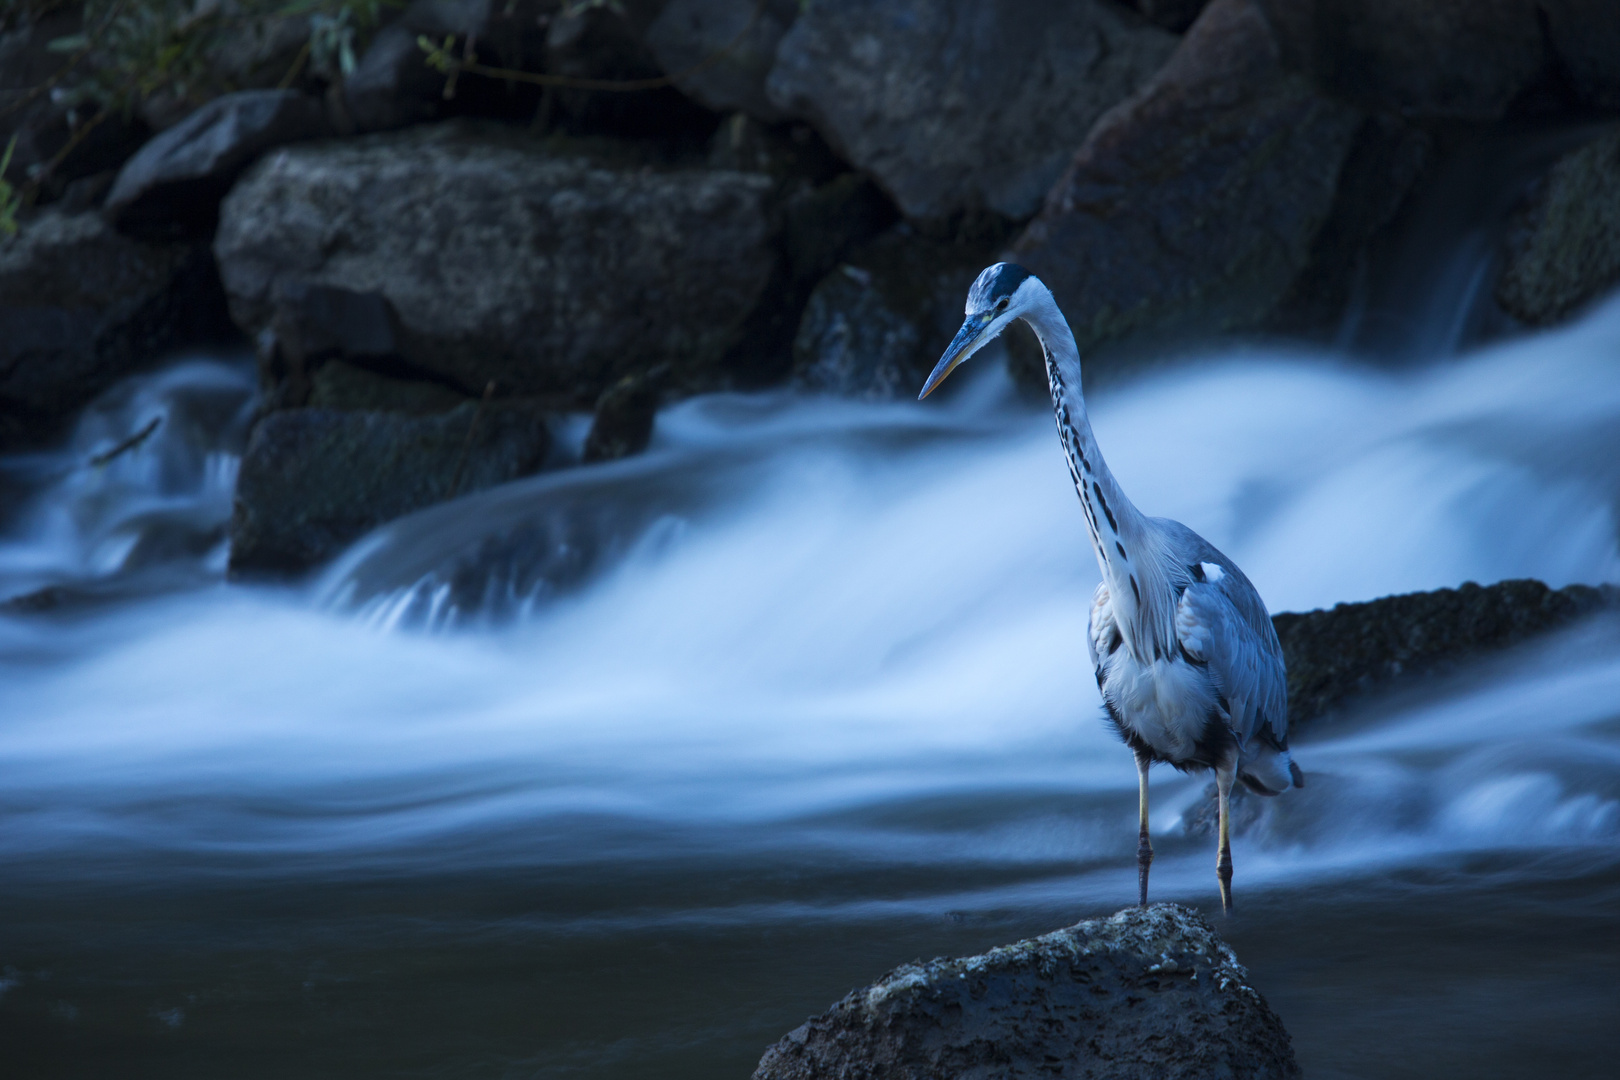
(625, 769)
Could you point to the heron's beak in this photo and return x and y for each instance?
(968, 341)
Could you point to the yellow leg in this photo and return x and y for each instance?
(1223, 857)
(1144, 846)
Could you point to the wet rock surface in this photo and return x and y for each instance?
(625, 413)
(547, 274)
(721, 51)
(1194, 207)
(172, 186)
(1564, 249)
(1338, 654)
(1431, 58)
(875, 326)
(1148, 992)
(81, 306)
(962, 105)
(315, 479)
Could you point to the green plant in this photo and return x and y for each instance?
(10, 201)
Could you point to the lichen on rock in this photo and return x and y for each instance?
(1564, 249)
(1148, 992)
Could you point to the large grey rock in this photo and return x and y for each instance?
(173, 184)
(1338, 654)
(1464, 59)
(962, 105)
(1565, 248)
(81, 306)
(1150, 992)
(313, 480)
(721, 52)
(1193, 207)
(547, 274)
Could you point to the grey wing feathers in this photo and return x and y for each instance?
(1234, 637)
(1102, 631)
(1224, 623)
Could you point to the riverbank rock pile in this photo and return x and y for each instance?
(801, 196)
(1149, 992)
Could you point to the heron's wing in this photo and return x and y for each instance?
(1241, 654)
(1103, 637)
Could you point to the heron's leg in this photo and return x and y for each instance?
(1144, 846)
(1224, 775)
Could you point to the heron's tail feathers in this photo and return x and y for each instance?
(1266, 770)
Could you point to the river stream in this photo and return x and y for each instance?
(625, 770)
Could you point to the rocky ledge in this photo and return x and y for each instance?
(1350, 650)
(1149, 992)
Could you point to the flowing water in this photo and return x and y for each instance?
(624, 770)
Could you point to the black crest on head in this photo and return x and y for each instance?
(996, 281)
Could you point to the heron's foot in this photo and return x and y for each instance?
(1223, 871)
(1144, 860)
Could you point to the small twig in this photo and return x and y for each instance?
(128, 444)
(31, 189)
(73, 61)
(466, 444)
(297, 66)
(440, 58)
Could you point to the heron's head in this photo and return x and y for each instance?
(1002, 293)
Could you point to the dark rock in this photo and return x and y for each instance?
(609, 41)
(1149, 992)
(548, 275)
(720, 51)
(1335, 655)
(1461, 59)
(1585, 36)
(874, 327)
(1386, 162)
(962, 106)
(784, 152)
(87, 192)
(339, 384)
(81, 306)
(260, 48)
(392, 85)
(822, 225)
(172, 186)
(1565, 247)
(44, 123)
(237, 46)
(624, 419)
(1193, 207)
(313, 480)
(313, 324)
(1173, 15)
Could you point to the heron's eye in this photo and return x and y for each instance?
(1001, 305)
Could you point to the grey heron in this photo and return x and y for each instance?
(1186, 658)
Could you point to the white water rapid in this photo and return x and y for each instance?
(802, 663)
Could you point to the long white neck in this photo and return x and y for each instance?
(1126, 549)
